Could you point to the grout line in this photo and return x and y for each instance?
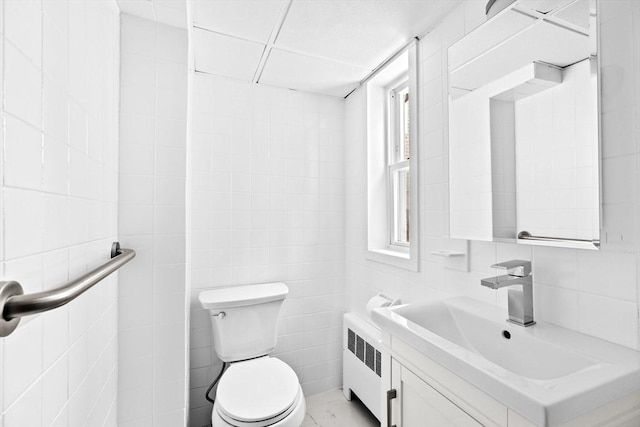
(282, 16)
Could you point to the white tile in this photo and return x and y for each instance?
(138, 70)
(136, 159)
(555, 267)
(55, 335)
(557, 306)
(55, 53)
(22, 361)
(23, 87)
(138, 35)
(56, 222)
(172, 75)
(27, 410)
(54, 391)
(57, 12)
(169, 220)
(135, 343)
(137, 129)
(608, 273)
(136, 219)
(23, 27)
(80, 172)
(137, 99)
(55, 169)
(171, 132)
(172, 42)
(171, 103)
(135, 372)
(55, 111)
(23, 154)
(608, 318)
(170, 161)
(135, 189)
(23, 222)
(170, 418)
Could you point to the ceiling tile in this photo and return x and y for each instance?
(226, 56)
(247, 19)
(300, 72)
(360, 32)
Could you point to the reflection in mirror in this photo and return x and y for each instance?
(523, 127)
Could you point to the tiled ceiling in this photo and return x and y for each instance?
(321, 46)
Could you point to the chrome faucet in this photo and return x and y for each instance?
(521, 299)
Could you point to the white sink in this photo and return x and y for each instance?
(546, 373)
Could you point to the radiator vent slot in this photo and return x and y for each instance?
(365, 352)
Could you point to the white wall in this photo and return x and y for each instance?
(267, 205)
(593, 292)
(58, 207)
(152, 293)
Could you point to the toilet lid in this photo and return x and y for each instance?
(257, 389)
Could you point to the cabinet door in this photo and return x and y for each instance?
(417, 404)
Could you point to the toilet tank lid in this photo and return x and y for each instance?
(238, 296)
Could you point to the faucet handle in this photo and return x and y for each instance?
(522, 268)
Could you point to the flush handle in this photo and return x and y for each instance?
(391, 394)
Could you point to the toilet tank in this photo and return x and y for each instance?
(249, 326)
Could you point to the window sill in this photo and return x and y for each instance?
(396, 258)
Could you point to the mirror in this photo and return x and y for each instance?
(523, 127)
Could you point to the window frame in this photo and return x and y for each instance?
(396, 162)
(403, 67)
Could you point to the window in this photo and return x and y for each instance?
(398, 173)
(391, 163)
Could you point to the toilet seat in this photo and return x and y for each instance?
(257, 393)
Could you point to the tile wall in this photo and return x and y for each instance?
(58, 207)
(557, 158)
(593, 292)
(152, 305)
(267, 204)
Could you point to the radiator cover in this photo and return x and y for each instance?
(362, 361)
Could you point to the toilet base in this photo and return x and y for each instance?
(294, 419)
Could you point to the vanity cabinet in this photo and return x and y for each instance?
(419, 392)
(416, 403)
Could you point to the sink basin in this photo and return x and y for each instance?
(506, 345)
(546, 373)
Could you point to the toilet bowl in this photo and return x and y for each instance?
(259, 392)
(256, 390)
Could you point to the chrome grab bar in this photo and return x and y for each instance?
(14, 304)
(525, 235)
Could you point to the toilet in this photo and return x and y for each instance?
(256, 390)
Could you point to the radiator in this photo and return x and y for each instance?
(362, 361)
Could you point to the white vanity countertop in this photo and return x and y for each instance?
(563, 374)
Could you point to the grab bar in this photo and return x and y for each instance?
(525, 235)
(14, 305)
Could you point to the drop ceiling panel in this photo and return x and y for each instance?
(247, 19)
(362, 33)
(226, 56)
(300, 72)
